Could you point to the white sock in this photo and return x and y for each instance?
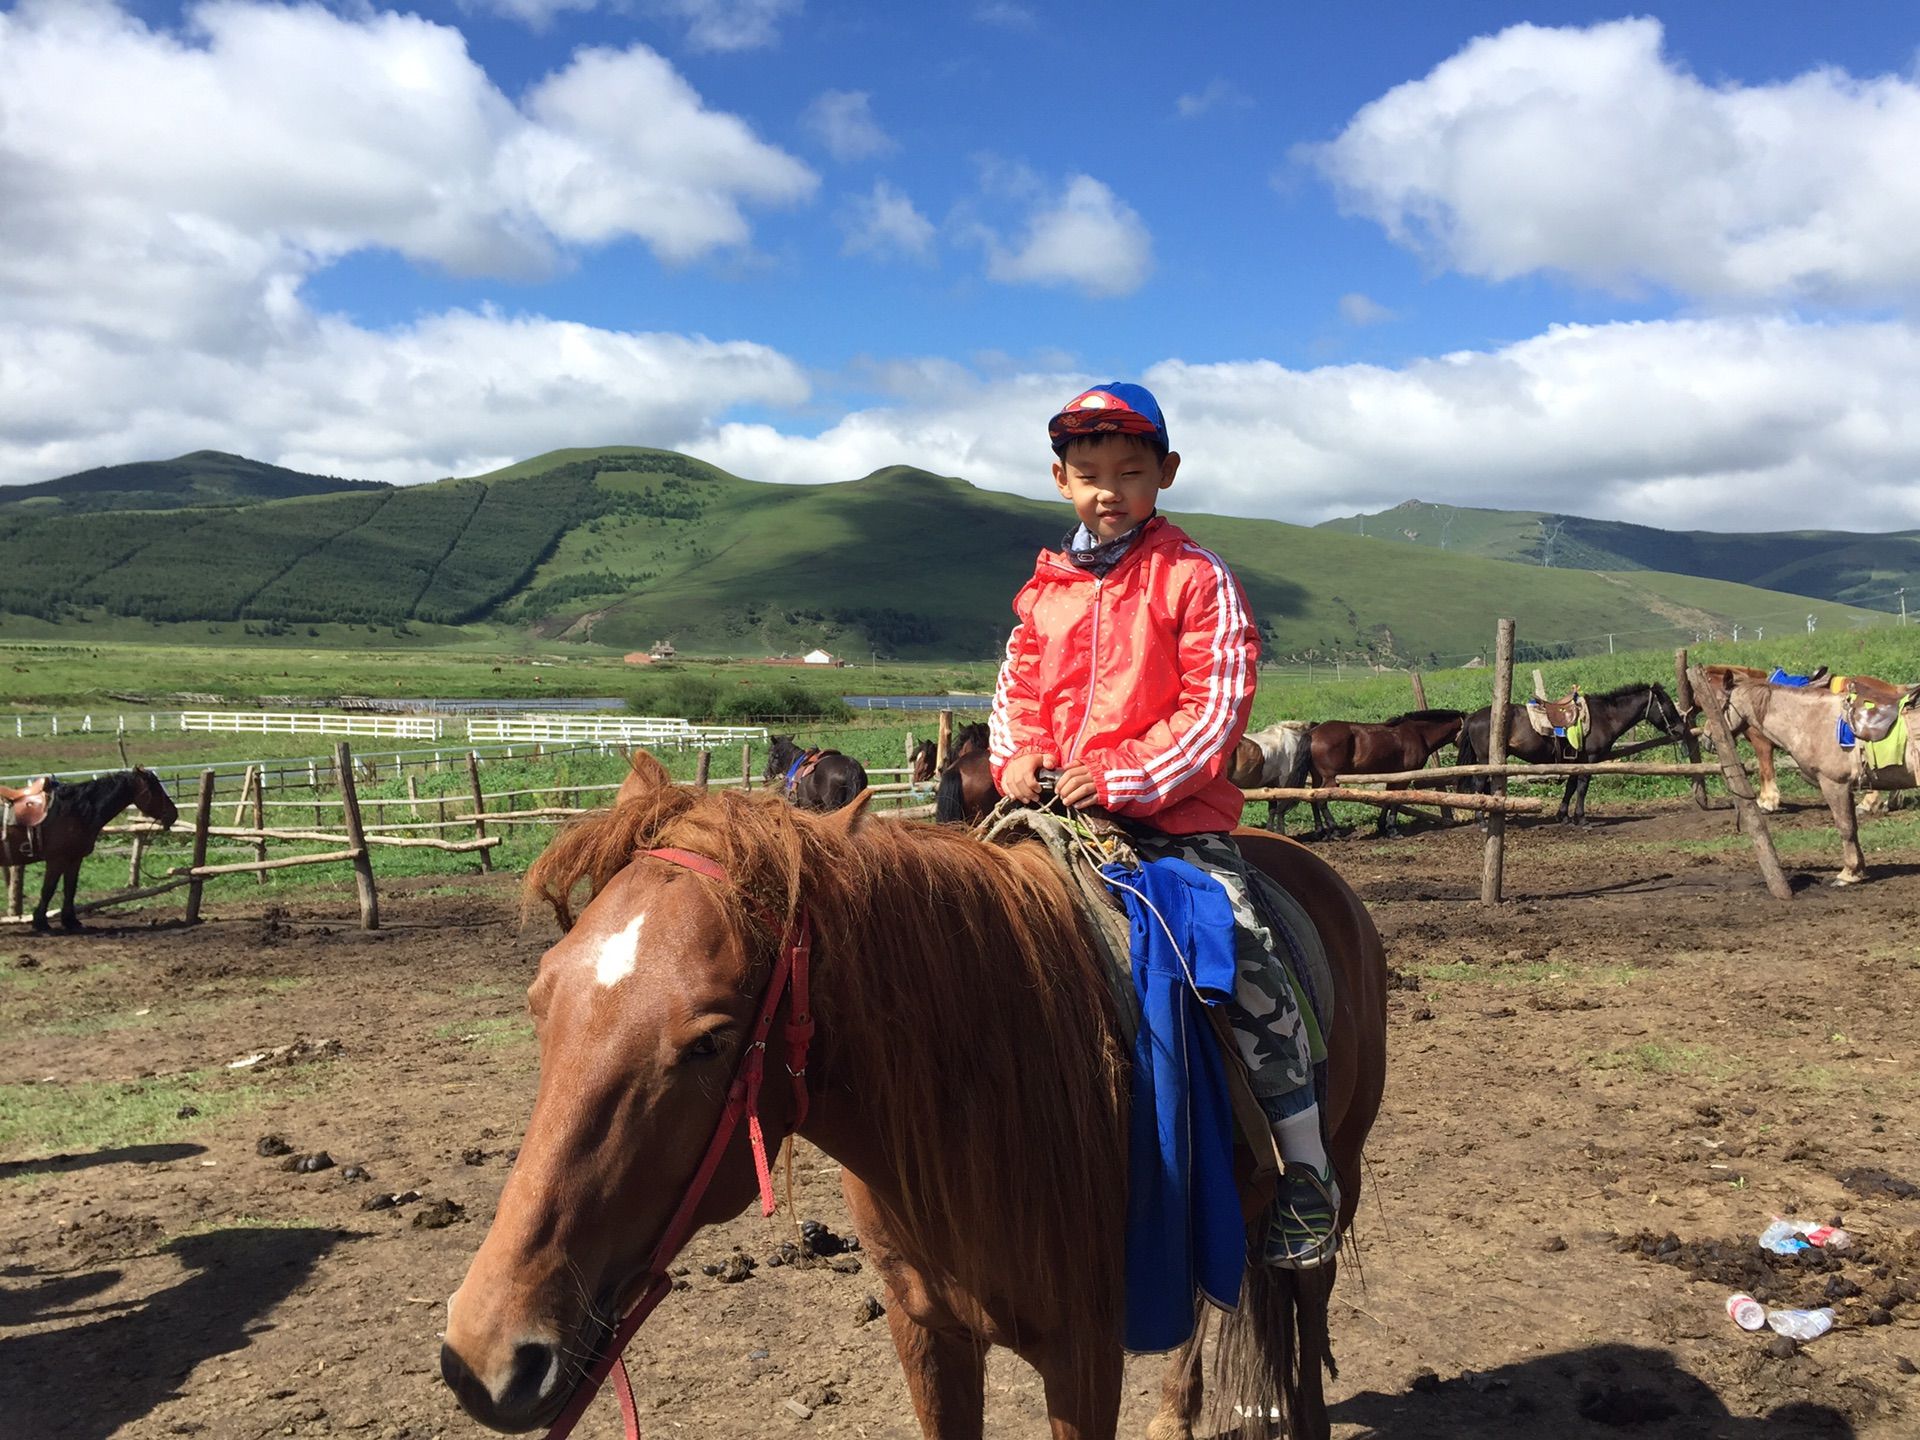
(1298, 1137)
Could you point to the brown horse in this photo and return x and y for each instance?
(813, 779)
(967, 1071)
(966, 741)
(967, 792)
(1722, 679)
(1350, 747)
(1610, 716)
(74, 820)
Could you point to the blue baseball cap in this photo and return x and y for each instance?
(1115, 408)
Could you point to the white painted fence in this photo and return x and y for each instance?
(606, 729)
(315, 722)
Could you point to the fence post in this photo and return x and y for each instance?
(746, 765)
(357, 840)
(1751, 819)
(133, 865)
(1539, 686)
(202, 815)
(260, 821)
(943, 742)
(413, 797)
(479, 810)
(1493, 863)
(1683, 697)
(1419, 692)
(16, 889)
(701, 769)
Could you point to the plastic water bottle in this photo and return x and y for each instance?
(1801, 1325)
(1782, 1239)
(1746, 1312)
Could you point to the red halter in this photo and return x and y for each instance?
(743, 1098)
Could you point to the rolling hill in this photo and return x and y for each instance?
(623, 546)
(206, 477)
(1855, 569)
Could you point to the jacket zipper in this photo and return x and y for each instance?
(1093, 676)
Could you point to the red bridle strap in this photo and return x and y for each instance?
(790, 970)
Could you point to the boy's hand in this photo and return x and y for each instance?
(1077, 788)
(1020, 780)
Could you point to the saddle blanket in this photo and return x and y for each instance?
(1795, 682)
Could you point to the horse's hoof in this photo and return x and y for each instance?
(72, 927)
(41, 927)
(1849, 877)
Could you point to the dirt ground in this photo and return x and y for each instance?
(1599, 1094)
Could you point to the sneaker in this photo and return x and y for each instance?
(1305, 1228)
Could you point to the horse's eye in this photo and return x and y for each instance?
(705, 1047)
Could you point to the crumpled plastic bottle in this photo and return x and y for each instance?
(1801, 1324)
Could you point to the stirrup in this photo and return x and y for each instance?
(1304, 1231)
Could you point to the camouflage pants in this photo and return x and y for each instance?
(1275, 1039)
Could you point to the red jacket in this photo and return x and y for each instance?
(1146, 676)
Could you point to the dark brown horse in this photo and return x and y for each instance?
(75, 817)
(967, 1071)
(967, 740)
(1610, 716)
(813, 779)
(967, 791)
(1351, 747)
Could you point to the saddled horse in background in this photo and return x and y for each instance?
(1722, 679)
(1270, 759)
(813, 779)
(965, 741)
(1352, 747)
(966, 1068)
(76, 814)
(1610, 716)
(1805, 723)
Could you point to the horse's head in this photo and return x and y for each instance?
(920, 766)
(781, 751)
(1664, 713)
(150, 797)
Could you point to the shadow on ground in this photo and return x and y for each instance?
(121, 1155)
(88, 1381)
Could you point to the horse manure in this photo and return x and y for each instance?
(844, 1265)
(1554, 1244)
(736, 1267)
(473, 1155)
(308, 1164)
(1781, 1347)
(819, 1241)
(785, 1253)
(1905, 1366)
(186, 1112)
(354, 1172)
(271, 1145)
(388, 1202)
(867, 1310)
(27, 962)
(439, 1215)
(1865, 1180)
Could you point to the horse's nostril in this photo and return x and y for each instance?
(535, 1367)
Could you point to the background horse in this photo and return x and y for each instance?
(1275, 757)
(1805, 723)
(967, 791)
(967, 1072)
(965, 741)
(74, 821)
(1610, 716)
(813, 779)
(1348, 747)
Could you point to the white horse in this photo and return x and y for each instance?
(1275, 756)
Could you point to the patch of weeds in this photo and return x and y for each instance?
(1654, 1058)
(480, 991)
(72, 1118)
(499, 1030)
(1531, 972)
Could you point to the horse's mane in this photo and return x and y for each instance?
(1627, 691)
(963, 1001)
(1414, 716)
(94, 802)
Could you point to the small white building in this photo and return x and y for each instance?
(818, 657)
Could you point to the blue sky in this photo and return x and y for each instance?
(1650, 266)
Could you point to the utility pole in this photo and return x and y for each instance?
(1810, 624)
(1902, 593)
(1736, 634)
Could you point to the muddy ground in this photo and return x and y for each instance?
(1598, 1095)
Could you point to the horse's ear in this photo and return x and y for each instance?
(646, 773)
(851, 816)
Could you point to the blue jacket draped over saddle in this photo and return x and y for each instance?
(1184, 1227)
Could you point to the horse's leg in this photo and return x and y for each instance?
(946, 1374)
(1580, 796)
(49, 879)
(68, 920)
(1082, 1381)
(1180, 1390)
(1839, 797)
(1763, 758)
(1566, 799)
(1313, 1289)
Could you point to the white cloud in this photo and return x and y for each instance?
(1006, 15)
(1088, 238)
(1358, 309)
(1727, 423)
(537, 14)
(1216, 94)
(885, 223)
(1592, 153)
(842, 121)
(723, 25)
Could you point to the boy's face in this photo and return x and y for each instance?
(1112, 482)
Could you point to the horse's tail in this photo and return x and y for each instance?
(949, 803)
(1465, 754)
(1272, 1350)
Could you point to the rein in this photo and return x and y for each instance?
(791, 974)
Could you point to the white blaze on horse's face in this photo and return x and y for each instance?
(615, 956)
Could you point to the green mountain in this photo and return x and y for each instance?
(206, 477)
(622, 547)
(1857, 569)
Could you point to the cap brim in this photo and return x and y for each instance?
(1072, 424)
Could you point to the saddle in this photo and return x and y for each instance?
(1565, 717)
(25, 808)
(803, 767)
(1880, 734)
